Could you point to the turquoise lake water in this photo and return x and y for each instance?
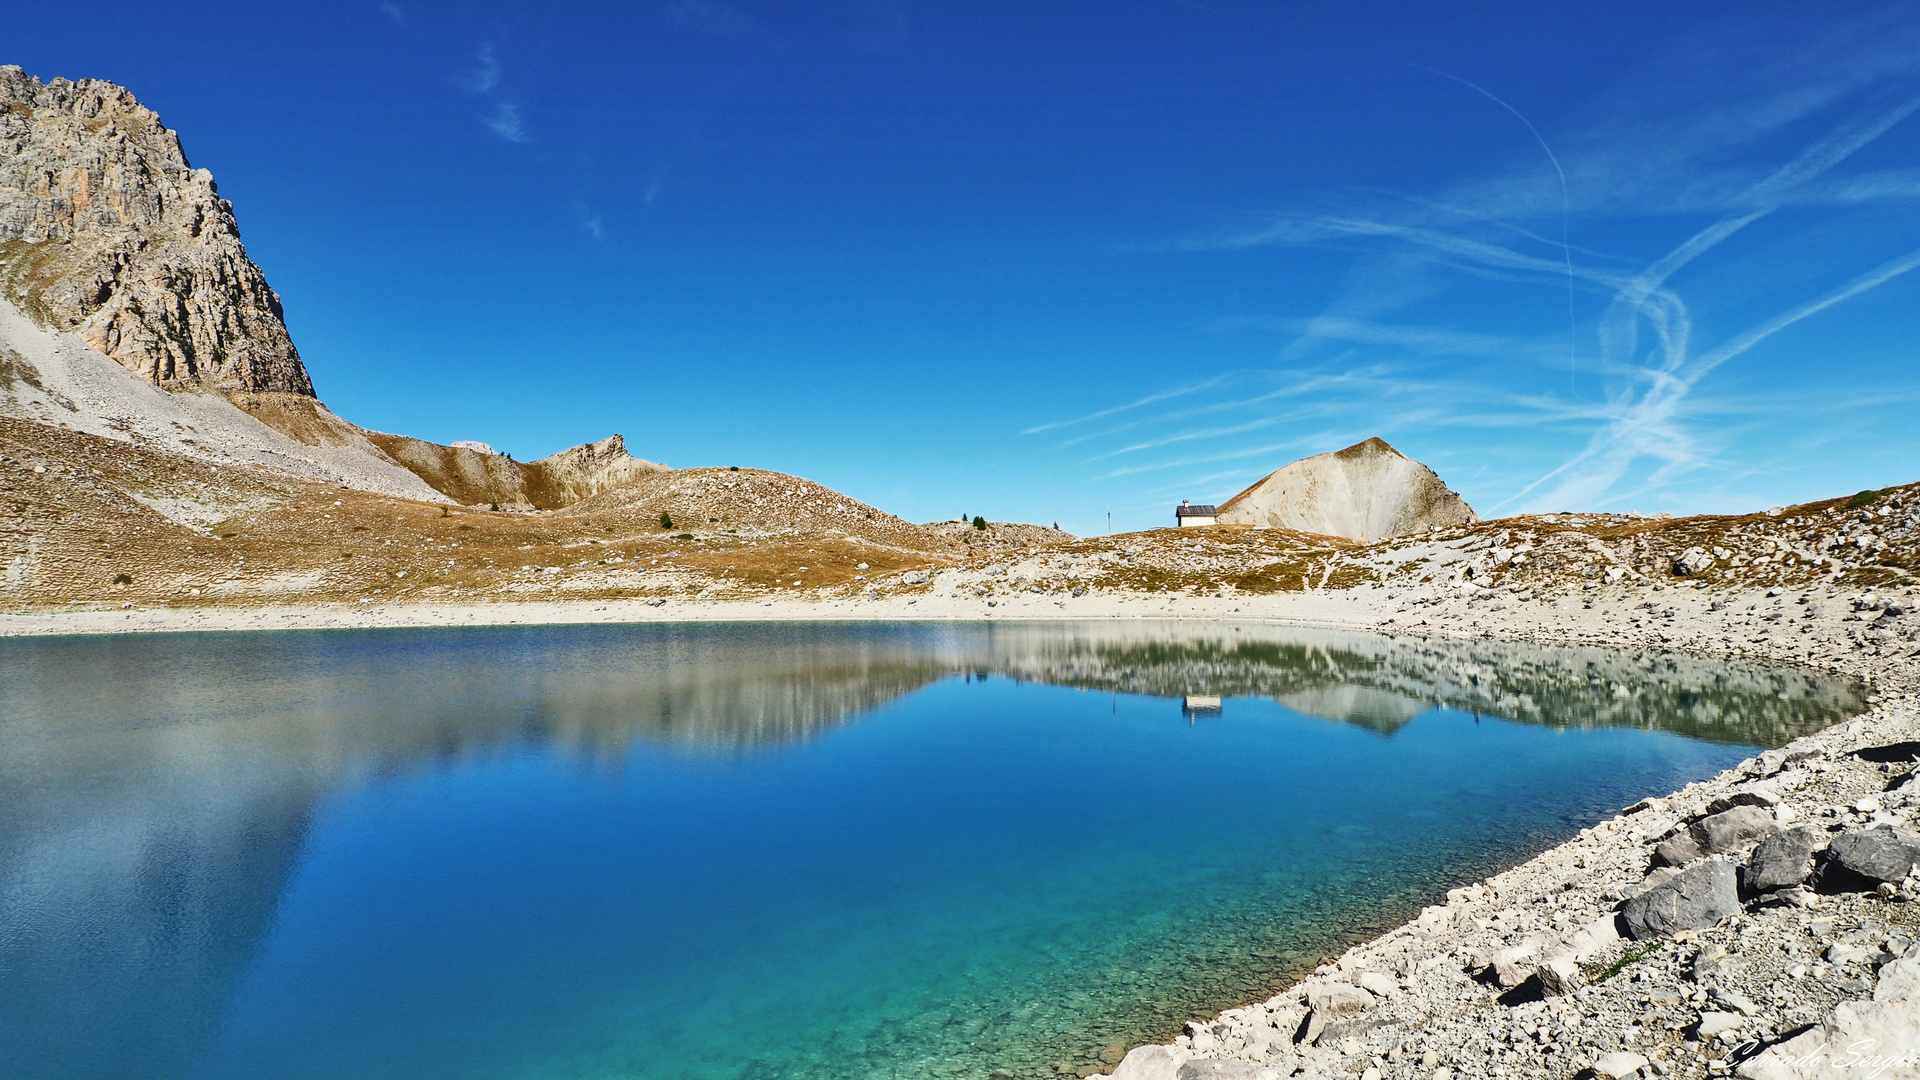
(771, 851)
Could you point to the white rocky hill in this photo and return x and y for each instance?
(1369, 491)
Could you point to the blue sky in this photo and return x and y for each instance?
(1038, 260)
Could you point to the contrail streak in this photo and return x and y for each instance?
(1148, 400)
(1566, 209)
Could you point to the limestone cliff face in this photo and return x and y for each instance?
(107, 231)
(1369, 491)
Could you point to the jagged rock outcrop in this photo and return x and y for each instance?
(584, 471)
(460, 472)
(555, 481)
(1369, 491)
(107, 231)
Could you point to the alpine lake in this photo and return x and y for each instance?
(773, 851)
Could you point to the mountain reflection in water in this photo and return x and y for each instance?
(158, 789)
(1381, 682)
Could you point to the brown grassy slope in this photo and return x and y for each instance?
(76, 511)
(759, 503)
(76, 527)
(1215, 559)
(464, 475)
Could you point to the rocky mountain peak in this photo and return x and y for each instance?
(1368, 448)
(107, 231)
(1368, 491)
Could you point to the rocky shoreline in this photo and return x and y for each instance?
(1581, 963)
(1763, 924)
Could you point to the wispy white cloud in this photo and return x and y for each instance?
(1463, 215)
(1295, 386)
(1313, 392)
(1566, 202)
(1647, 424)
(1823, 155)
(1872, 279)
(1642, 420)
(485, 74)
(1893, 185)
(1209, 459)
(506, 122)
(590, 222)
(394, 12)
(1190, 436)
(1422, 340)
(504, 116)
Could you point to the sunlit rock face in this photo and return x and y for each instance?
(107, 231)
(1369, 491)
